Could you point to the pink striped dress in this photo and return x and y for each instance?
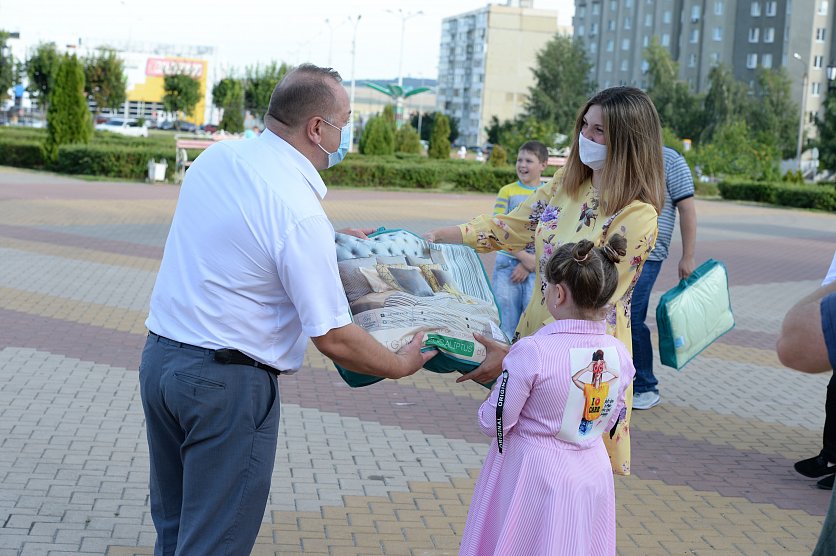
(551, 489)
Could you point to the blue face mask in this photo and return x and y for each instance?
(337, 156)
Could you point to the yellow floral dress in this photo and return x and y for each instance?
(550, 218)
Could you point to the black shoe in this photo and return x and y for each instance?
(826, 483)
(815, 467)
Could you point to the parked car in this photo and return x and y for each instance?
(209, 128)
(183, 125)
(124, 126)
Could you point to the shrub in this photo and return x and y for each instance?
(440, 138)
(499, 156)
(748, 190)
(821, 197)
(378, 137)
(407, 140)
(22, 154)
(105, 160)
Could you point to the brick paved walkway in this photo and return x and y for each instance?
(388, 469)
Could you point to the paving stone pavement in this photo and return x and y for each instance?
(388, 469)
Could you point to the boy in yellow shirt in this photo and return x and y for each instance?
(513, 274)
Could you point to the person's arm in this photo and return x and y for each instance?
(362, 233)
(688, 229)
(576, 377)
(638, 224)
(448, 234)
(523, 366)
(801, 342)
(491, 367)
(351, 347)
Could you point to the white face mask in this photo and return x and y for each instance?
(592, 154)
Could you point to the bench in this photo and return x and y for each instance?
(181, 158)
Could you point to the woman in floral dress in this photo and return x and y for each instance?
(613, 182)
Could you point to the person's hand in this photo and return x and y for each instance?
(362, 233)
(412, 357)
(491, 367)
(519, 274)
(686, 267)
(528, 260)
(450, 234)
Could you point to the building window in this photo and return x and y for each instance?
(820, 34)
(718, 7)
(718, 34)
(766, 60)
(695, 36)
(823, 7)
(771, 8)
(625, 44)
(756, 9)
(667, 17)
(754, 34)
(692, 60)
(608, 65)
(815, 89)
(818, 61)
(625, 65)
(646, 41)
(596, 8)
(580, 30)
(751, 61)
(611, 25)
(628, 3)
(769, 34)
(627, 23)
(610, 45)
(581, 11)
(593, 47)
(593, 29)
(613, 5)
(695, 13)
(648, 20)
(666, 39)
(714, 58)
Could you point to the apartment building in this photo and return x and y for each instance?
(700, 34)
(485, 63)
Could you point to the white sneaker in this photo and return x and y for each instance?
(645, 400)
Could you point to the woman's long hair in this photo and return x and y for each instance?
(634, 168)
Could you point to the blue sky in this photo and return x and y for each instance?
(245, 32)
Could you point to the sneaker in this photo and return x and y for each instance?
(826, 483)
(646, 400)
(817, 466)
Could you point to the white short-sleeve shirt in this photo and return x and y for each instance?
(250, 261)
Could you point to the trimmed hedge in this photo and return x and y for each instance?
(812, 196)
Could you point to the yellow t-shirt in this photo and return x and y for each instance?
(594, 400)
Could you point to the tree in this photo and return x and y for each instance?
(233, 107)
(41, 68)
(259, 84)
(735, 152)
(725, 102)
(68, 118)
(8, 70)
(181, 94)
(440, 138)
(826, 141)
(222, 89)
(512, 134)
(407, 140)
(428, 121)
(562, 83)
(498, 157)
(773, 115)
(678, 108)
(106, 83)
(378, 137)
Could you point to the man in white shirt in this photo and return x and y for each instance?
(249, 273)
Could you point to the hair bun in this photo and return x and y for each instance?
(615, 248)
(581, 250)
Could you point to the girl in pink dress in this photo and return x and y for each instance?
(546, 487)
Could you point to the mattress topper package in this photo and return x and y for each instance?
(693, 314)
(398, 284)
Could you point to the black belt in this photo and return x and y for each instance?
(224, 356)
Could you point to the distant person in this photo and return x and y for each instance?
(462, 152)
(808, 343)
(548, 487)
(248, 275)
(252, 132)
(513, 272)
(679, 197)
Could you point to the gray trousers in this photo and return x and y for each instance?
(212, 432)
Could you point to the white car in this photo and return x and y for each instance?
(124, 126)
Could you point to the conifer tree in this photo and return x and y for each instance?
(439, 138)
(68, 118)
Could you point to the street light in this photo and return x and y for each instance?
(798, 57)
(356, 21)
(331, 27)
(404, 15)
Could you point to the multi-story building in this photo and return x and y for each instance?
(485, 63)
(700, 34)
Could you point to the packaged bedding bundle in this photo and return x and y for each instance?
(398, 284)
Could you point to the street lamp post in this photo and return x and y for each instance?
(404, 15)
(356, 21)
(798, 57)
